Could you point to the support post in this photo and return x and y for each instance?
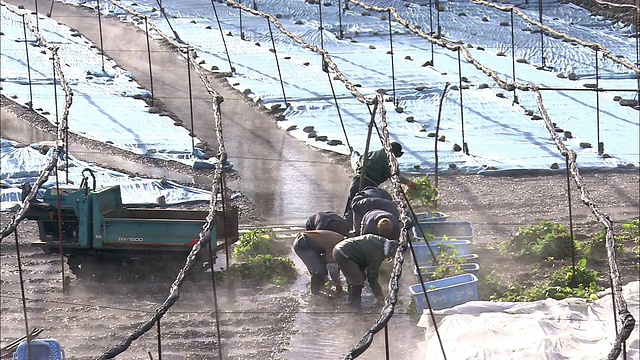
(192, 133)
(26, 48)
(513, 59)
(275, 53)
(365, 155)
(541, 35)
(393, 68)
(600, 143)
(146, 27)
(465, 146)
(444, 93)
(100, 30)
(224, 43)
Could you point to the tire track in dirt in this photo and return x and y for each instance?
(93, 317)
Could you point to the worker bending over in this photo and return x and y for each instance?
(328, 220)
(315, 249)
(360, 258)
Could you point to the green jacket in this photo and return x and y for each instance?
(377, 167)
(368, 252)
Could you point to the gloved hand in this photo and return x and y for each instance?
(338, 289)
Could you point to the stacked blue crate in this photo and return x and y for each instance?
(428, 271)
(452, 229)
(450, 236)
(445, 293)
(440, 235)
(423, 254)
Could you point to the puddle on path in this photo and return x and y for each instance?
(326, 328)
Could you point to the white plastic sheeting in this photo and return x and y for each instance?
(107, 102)
(546, 329)
(24, 164)
(501, 138)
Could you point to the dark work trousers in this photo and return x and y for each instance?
(311, 255)
(353, 190)
(351, 270)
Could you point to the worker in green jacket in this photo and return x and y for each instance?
(359, 259)
(377, 171)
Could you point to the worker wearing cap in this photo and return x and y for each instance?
(360, 258)
(315, 249)
(373, 208)
(369, 198)
(377, 172)
(380, 222)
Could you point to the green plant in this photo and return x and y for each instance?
(595, 246)
(259, 252)
(449, 263)
(448, 255)
(252, 243)
(575, 275)
(516, 293)
(490, 285)
(433, 241)
(263, 269)
(631, 231)
(425, 194)
(429, 238)
(569, 281)
(544, 241)
(259, 242)
(445, 271)
(633, 228)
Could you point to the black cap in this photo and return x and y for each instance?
(396, 149)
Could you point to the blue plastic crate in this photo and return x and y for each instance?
(471, 258)
(427, 271)
(428, 216)
(447, 292)
(423, 255)
(48, 349)
(459, 230)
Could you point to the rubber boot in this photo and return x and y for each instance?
(355, 294)
(316, 283)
